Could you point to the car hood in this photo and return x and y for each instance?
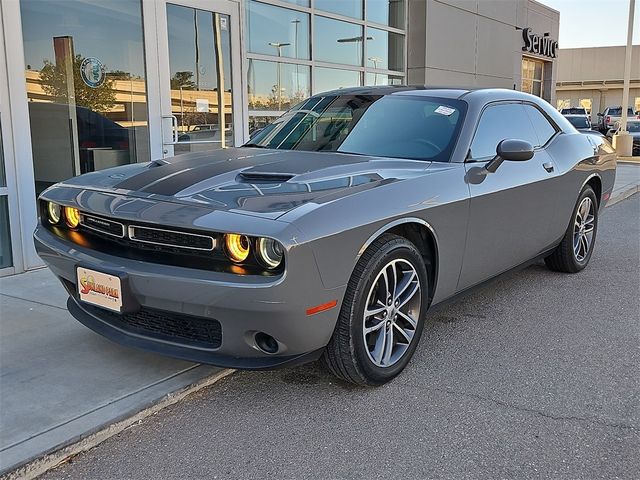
(261, 182)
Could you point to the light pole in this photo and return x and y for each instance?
(296, 22)
(279, 46)
(375, 61)
(622, 141)
(355, 40)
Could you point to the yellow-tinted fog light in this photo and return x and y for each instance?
(53, 212)
(72, 216)
(237, 247)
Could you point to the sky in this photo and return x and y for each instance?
(594, 23)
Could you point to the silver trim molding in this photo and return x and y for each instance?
(131, 234)
(97, 229)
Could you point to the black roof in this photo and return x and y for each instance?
(486, 94)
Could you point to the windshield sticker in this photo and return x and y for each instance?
(445, 110)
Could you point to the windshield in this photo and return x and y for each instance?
(397, 126)
(633, 127)
(617, 111)
(574, 111)
(579, 122)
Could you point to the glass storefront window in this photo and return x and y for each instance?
(273, 88)
(340, 42)
(86, 86)
(586, 104)
(348, 8)
(6, 259)
(277, 31)
(386, 12)
(301, 3)
(276, 86)
(197, 78)
(385, 50)
(325, 79)
(3, 178)
(532, 76)
(374, 79)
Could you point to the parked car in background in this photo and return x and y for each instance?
(580, 121)
(633, 127)
(332, 232)
(209, 132)
(608, 118)
(576, 111)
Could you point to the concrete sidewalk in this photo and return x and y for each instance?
(60, 382)
(627, 181)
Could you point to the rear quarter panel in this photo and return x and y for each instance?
(578, 157)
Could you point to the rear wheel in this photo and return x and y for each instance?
(382, 315)
(575, 250)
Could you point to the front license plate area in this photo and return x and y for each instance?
(99, 288)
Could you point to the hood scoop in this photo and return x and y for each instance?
(263, 177)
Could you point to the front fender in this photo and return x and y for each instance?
(340, 231)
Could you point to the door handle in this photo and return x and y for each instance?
(174, 128)
(548, 166)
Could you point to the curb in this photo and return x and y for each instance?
(623, 195)
(41, 465)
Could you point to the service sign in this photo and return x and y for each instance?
(99, 289)
(539, 44)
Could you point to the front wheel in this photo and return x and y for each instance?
(574, 252)
(382, 315)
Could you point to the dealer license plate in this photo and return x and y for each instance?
(99, 289)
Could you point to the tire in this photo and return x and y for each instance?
(571, 256)
(359, 357)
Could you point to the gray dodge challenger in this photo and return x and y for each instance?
(332, 232)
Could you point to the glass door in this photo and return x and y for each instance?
(200, 75)
(6, 257)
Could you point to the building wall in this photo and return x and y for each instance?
(599, 63)
(596, 75)
(475, 43)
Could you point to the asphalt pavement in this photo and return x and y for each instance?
(535, 375)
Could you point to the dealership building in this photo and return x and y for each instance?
(89, 84)
(593, 78)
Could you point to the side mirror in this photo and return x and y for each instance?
(512, 151)
(599, 114)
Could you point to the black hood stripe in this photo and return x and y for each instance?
(198, 173)
(155, 173)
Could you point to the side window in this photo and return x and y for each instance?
(541, 125)
(499, 122)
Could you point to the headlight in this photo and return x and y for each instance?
(72, 216)
(269, 252)
(53, 212)
(237, 247)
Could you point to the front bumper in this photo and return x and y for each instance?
(238, 306)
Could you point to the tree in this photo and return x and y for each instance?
(183, 79)
(54, 83)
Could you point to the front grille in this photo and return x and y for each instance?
(168, 326)
(171, 238)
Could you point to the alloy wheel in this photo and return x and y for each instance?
(583, 229)
(392, 312)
